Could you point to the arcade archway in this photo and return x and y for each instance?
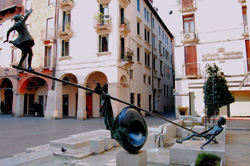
(6, 96)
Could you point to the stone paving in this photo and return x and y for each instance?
(237, 149)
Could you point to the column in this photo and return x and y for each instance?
(19, 105)
(81, 110)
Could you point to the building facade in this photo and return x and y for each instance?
(208, 33)
(122, 43)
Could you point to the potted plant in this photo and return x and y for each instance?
(99, 19)
(207, 159)
(182, 110)
(123, 24)
(67, 26)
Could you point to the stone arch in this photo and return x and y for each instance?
(6, 96)
(69, 95)
(93, 101)
(33, 89)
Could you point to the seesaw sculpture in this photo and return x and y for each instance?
(24, 41)
(129, 128)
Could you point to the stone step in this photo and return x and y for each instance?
(78, 140)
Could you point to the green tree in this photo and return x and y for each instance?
(216, 90)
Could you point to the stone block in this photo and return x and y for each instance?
(222, 136)
(188, 123)
(115, 143)
(179, 132)
(108, 143)
(186, 153)
(96, 145)
(185, 133)
(123, 158)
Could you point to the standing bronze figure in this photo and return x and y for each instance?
(24, 41)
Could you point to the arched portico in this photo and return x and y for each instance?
(31, 90)
(6, 96)
(93, 101)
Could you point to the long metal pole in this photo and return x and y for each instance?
(90, 90)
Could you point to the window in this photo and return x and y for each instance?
(160, 48)
(145, 13)
(138, 28)
(153, 40)
(163, 51)
(159, 31)
(147, 35)
(167, 92)
(161, 66)
(149, 80)
(188, 22)
(164, 90)
(138, 54)
(131, 74)
(51, 2)
(159, 84)
(187, 4)
(65, 48)
(103, 43)
(244, 13)
(147, 16)
(154, 59)
(27, 6)
(153, 23)
(147, 59)
(144, 79)
(162, 35)
(167, 54)
(50, 28)
(47, 56)
(168, 72)
(138, 5)
(150, 102)
(14, 56)
(66, 20)
(190, 60)
(132, 98)
(139, 100)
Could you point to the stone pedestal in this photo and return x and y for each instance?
(96, 145)
(124, 158)
(108, 143)
(186, 153)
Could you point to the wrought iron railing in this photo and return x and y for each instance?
(127, 54)
(65, 27)
(190, 35)
(125, 23)
(103, 20)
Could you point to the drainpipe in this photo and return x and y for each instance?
(152, 62)
(55, 44)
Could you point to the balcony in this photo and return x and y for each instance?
(124, 3)
(191, 70)
(190, 36)
(66, 4)
(103, 23)
(126, 58)
(242, 1)
(65, 30)
(103, 1)
(124, 27)
(188, 6)
(47, 35)
(245, 31)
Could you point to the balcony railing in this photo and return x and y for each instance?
(192, 70)
(190, 36)
(103, 22)
(48, 35)
(65, 30)
(66, 4)
(188, 6)
(126, 58)
(125, 26)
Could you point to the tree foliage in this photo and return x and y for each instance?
(222, 96)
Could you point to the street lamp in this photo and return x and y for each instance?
(6, 72)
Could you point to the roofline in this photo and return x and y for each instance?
(158, 18)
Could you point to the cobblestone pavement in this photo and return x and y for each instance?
(17, 134)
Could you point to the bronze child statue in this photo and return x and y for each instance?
(24, 41)
(208, 134)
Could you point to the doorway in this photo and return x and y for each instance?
(31, 103)
(41, 101)
(65, 105)
(89, 100)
